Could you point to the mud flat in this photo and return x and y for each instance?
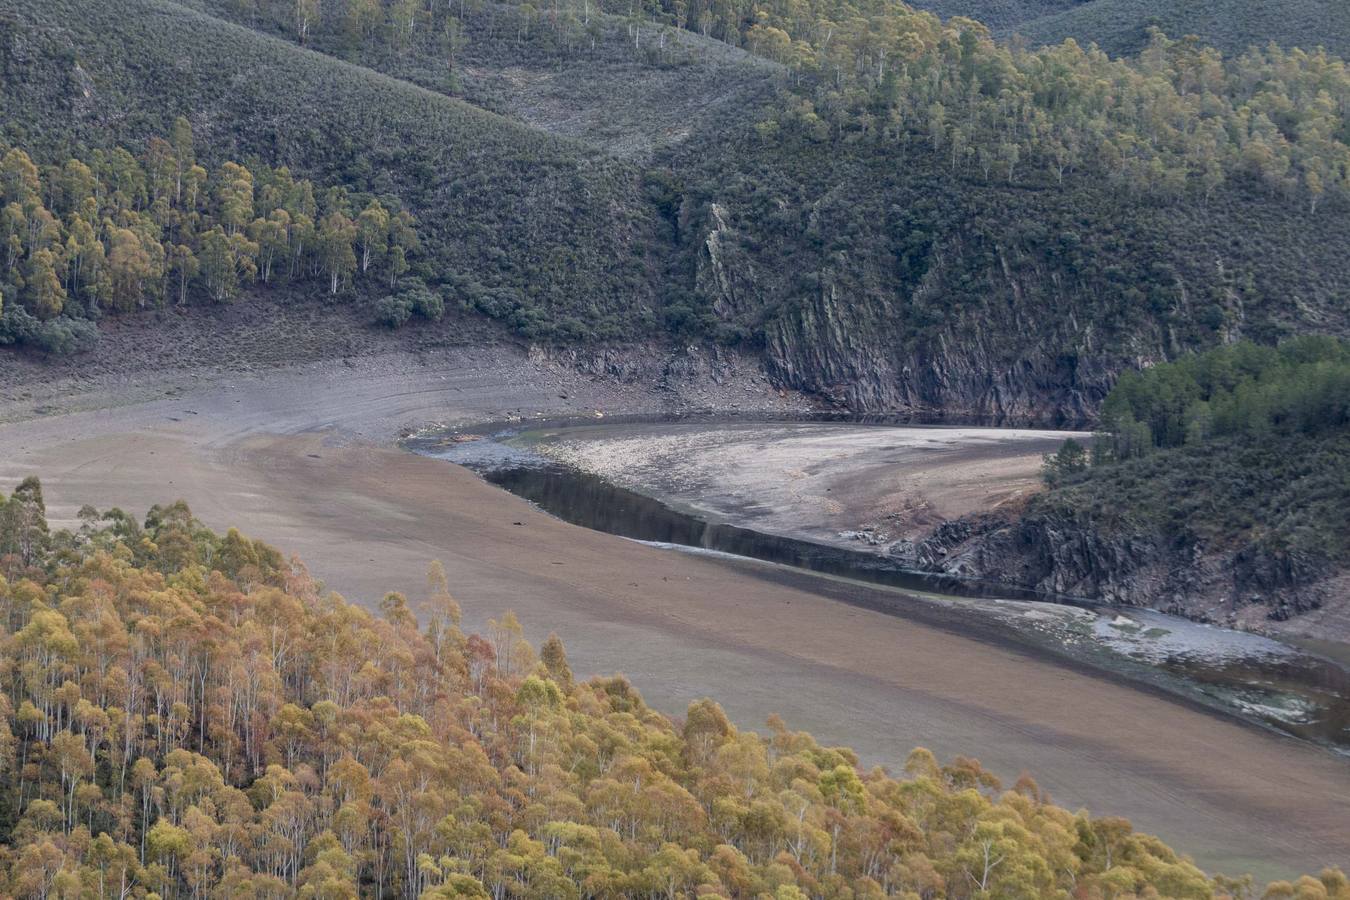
(830, 482)
(765, 490)
(304, 458)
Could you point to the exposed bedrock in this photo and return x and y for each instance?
(1251, 586)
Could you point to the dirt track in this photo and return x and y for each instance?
(302, 458)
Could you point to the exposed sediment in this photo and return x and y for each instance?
(300, 457)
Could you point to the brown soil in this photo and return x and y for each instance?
(301, 457)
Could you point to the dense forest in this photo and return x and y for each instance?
(184, 714)
(123, 231)
(1242, 390)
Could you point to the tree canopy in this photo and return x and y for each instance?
(122, 231)
(1244, 389)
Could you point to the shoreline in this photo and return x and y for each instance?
(302, 457)
(1184, 660)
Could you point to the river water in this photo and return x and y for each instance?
(718, 489)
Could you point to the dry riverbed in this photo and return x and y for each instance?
(833, 483)
(304, 457)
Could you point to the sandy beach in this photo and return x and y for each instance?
(304, 458)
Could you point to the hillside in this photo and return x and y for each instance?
(190, 714)
(871, 267)
(881, 266)
(905, 288)
(541, 232)
(627, 95)
(1121, 26)
(1218, 488)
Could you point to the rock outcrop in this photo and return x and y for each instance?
(1251, 587)
(845, 332)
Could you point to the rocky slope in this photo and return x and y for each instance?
(1245, 530)
(909, 292)
(1247, 588)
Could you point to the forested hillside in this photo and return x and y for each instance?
(896, 213)
(542, 233)
(184, 714)
(1121, 26)
(1181, 117)
(119, 236)
(887, 288)
(1220, 481)
(934, 221)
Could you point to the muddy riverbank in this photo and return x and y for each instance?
(304, 458)
(791, 493)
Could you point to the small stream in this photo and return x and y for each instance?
(1255, 678)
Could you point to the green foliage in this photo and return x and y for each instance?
(1241, 390)
(393, 311)
(24, 535)
(17, 325)
(413, 297)
(1240, 447)
(64, 335)
(550, 229)
(1070, 459)
(1276, 496)
(886, 156)
(125, 232)
(425, 302)
(836, 253)
(185, 713)
(61, 335)
(923, 198)
(1178, 118)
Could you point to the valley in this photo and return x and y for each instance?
(303, 458)
(796, 495)
(832, 379)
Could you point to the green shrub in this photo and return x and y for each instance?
(425, 302)
(393, 311)
(64, 335)
(413, 297)
(17, 325)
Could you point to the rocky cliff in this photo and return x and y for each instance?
(1250, 587)
(888, 288)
